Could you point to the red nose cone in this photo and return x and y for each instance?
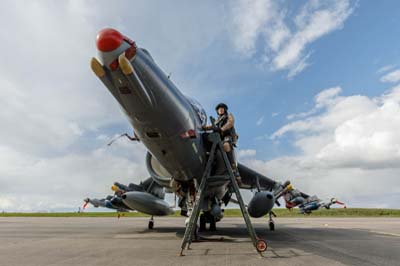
(108, 40)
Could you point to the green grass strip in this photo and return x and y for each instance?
(349, 212)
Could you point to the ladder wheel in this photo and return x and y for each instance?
(151, 225)
(261, 245)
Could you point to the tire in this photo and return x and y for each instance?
(213, 224)
(271, 226)
(151, 225)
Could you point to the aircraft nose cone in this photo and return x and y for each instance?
(108, 40)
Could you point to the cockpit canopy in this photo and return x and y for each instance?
(201, 113)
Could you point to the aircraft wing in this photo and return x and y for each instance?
(249, 179)
(292, 197)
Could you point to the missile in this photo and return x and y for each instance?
(146, 203)
(261, 204)
(309, 207)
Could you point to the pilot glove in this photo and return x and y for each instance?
(217, 129)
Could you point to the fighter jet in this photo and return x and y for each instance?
(307, 204)
(170, 126)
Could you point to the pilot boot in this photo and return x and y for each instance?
(237, 175)
(183, 206)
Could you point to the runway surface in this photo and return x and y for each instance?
(127, 241)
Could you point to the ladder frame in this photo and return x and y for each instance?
(215, 138)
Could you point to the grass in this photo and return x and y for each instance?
(336, 212)
(349, 212)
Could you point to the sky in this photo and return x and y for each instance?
(314, 87)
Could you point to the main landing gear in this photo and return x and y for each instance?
(207, 218)
(271, 222)
(151, 223)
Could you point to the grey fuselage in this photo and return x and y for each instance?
(160, 114)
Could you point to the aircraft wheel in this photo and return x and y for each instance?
(213, 224)
(271, 226)
(261, 245)
(151, 225)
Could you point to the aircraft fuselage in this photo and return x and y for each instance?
(165, 120)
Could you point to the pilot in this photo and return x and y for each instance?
(225, 125)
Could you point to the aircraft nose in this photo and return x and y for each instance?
(108, 40)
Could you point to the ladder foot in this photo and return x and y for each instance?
(261, 246)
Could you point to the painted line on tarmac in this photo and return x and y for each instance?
(385, 233)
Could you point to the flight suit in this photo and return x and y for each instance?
(225, 124)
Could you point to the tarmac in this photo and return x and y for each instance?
(127, 241)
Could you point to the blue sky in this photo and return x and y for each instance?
(313, 85)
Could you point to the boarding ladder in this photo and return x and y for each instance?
(216, 141)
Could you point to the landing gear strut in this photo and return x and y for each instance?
(151, 223)
(213, 224)
(203, 223)
(271, 222)
(207, 218)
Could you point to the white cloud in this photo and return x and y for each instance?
(392, 77)
(349, 149)
(264, 26)
(368, 188)
(323, 99)
(6, 203)
(246, 153)
(249, 17)
(31, 182)
(260, 121)
(385, 68)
